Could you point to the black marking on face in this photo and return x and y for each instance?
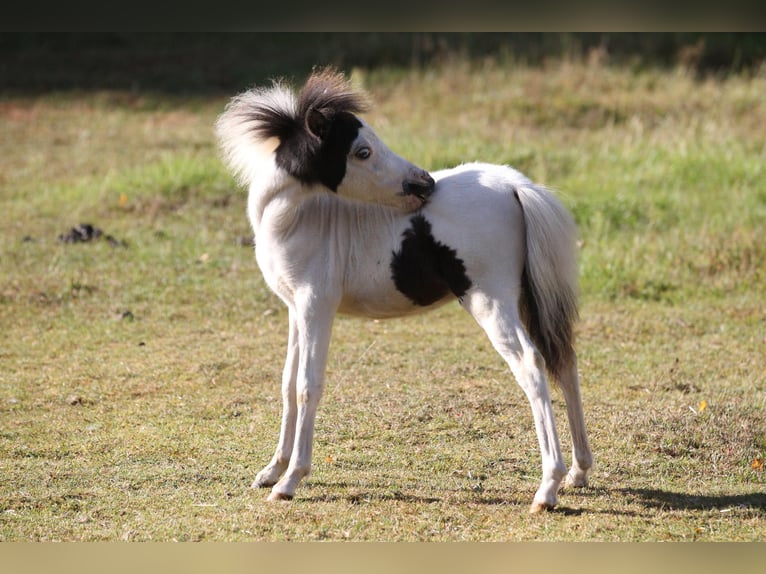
(426, 270)
(312, 159)
(315, 138)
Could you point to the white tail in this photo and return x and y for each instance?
(548, 304)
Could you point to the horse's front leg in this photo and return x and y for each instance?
(271, 472)
(314, 327)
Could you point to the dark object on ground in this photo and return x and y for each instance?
(85, 232)
(81, 233)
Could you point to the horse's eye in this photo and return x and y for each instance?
(363, 153)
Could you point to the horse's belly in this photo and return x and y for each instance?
(381, 300)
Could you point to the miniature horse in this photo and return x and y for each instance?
(342, 224)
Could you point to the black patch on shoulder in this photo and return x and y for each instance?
(424, 269)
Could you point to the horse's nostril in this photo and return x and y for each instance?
(418, 187)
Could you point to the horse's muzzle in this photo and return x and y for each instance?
(421, 185)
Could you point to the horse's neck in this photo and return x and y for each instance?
(272, 202)
(288, 205)
(348, 231)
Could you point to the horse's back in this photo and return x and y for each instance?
(494, 177)
(473, 196)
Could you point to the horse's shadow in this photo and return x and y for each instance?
(666, 499)
(364, 497)
(649, 498)
(654, 499)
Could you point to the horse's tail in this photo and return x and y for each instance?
(548, 303)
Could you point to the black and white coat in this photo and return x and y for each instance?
(343, 224)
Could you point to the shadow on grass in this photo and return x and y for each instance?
(362, 498)
(664, 499)
(650, 499)
(653, 499)
(390, 495)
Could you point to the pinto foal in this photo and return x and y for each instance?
(342, 224)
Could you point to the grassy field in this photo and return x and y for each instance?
(139, 388)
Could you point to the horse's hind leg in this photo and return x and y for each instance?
(279, 462)
(582, 459)
(501, 322)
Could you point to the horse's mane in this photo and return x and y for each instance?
(297, 122)
(328, 92)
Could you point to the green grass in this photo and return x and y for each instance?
(139, 386)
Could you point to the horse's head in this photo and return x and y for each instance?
(349, 158)
(318, 139)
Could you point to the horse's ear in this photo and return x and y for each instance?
(318, 122)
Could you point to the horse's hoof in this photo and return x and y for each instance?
(538, 507)
(576, 481)
(279, 496)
